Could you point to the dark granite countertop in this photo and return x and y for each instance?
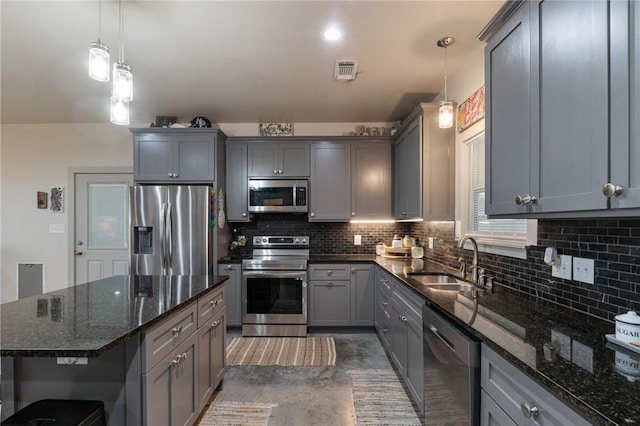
(88, 319)
(563, 349)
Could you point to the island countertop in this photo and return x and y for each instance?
(88, 319)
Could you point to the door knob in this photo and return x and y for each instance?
(610, 190)
(77, 252)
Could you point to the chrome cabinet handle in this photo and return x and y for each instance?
(213, 303)
(529, 411)
(177, 330)
(526, 200)
(280, 171)
(275, 171)
(215, 323)
(170, 174)
(244, 215)
(330, 283)
(176, 360)
(229, 267)
(312, 214)
(384, 330)
(329, 272)
(353, 213)
(403, 213)
(353, 269)
(402, 318)
(383, 304)
(610, 190)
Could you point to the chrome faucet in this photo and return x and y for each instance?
(474, 266)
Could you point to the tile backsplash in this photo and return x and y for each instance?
(614, 244)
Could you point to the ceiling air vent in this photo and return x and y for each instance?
(345, 69)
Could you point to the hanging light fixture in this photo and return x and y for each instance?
(122, 76)
(99, 56)
(119, 111)
(445, 113)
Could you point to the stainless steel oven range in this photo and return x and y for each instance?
(274, 287)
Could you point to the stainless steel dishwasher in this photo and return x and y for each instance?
(451, 372)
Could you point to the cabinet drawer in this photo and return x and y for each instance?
(324, 271)
(511, 389)
(210, 304)
(163, 338)
(407, 302)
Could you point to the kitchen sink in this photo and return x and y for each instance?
(434, 278)
(452, 287)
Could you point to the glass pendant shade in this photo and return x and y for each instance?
(445, 114)
(119, 111)
(99, 61)
(122, 82)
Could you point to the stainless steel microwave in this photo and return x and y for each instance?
(278, 195)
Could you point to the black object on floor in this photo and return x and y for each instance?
(56, 412)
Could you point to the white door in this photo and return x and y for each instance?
(101, 244)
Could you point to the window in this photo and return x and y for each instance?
(502, 236)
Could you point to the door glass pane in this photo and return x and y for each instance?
(108, 215)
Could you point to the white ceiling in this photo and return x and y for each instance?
(233, 61)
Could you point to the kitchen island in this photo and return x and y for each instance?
(150, 347)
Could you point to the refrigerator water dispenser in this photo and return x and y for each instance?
(143, 239)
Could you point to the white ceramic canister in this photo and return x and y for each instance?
(628, 328)
(381, 248)
(397, 242)
(417, 252)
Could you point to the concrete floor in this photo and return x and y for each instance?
(307, 395)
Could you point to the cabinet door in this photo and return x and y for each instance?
(205, 364)
(507, 60)
(570, 108)
(415, 362)
(218, 347)
(232, 292)
(371, 177)
(438, 170)
(398, 339)
(362, 295)
(262, 159)
(491, 414)
(170, 387)
(294, 159)
(625, 102)
(153, 158)
(237, 199)
(194, 158)
(330, 192)
(329, 303)
(408, 173)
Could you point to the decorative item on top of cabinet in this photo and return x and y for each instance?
(424, 173)
(533, 138)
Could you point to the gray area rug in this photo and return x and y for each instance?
(380, 399)
(228, 413)
(282, 351)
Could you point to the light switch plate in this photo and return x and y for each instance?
(56, 228)
(583, 270)
(357, 240)
(563, 268)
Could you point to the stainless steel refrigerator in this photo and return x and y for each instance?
(172, 231)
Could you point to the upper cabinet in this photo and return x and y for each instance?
(278, 159)
(371, 179)
(549, 82)
(237, 186)
(164, 155)
(329, 188)
(424, 168)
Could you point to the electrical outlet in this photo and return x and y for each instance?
(583, 270)
(563, 268)
(357, 240)
(430, 242)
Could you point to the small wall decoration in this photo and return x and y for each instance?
(276, 129)
(57, 199)
(42, 200)
(471, 110)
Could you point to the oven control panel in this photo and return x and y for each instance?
(275, 241)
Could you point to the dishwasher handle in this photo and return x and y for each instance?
(443, 339)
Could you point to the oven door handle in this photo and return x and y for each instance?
(276, 274)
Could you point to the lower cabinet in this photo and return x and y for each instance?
(511, 397)
(233, 292)
(399, 324)
(170, 387)
(177, 386)
(341, 295)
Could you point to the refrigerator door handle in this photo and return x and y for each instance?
(169, 232)
(163, 226)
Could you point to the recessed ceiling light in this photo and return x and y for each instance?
(332, 34)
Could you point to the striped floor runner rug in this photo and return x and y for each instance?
(228, 413)
(380, 399)
(282, 351)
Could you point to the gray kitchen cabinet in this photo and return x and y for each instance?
(382, 318)
(233, 292)
(175, 155)
(371, 180)
(424, 168)
(329, 188)
(278, 159)
(170, 387)
(550, 152)
(362, 295)
(520, 397)
(341, 294)
(491, 413)
(237, 197)
(211, 361)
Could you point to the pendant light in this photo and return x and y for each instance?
(99, 56)
(445, 113)
(119, 111)
(122, 76)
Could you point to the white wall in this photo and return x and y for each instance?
(36, 157)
